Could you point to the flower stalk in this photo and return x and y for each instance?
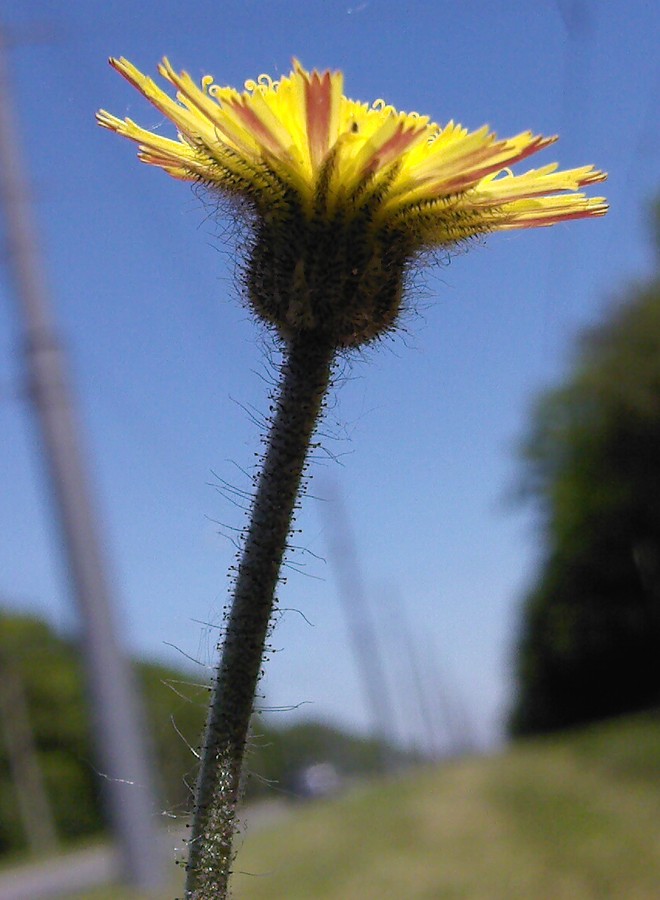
(305, 379)
(343, 198)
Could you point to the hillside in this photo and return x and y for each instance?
(572, 817)
(576, 816)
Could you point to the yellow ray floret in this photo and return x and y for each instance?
(301, 137)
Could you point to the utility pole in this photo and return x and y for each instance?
(113, 708)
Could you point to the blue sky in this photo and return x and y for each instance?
(165, 357)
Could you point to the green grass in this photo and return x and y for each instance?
(576, 816)
(563, 818)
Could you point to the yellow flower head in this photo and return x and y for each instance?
(345, 194)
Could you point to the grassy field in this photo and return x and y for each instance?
(576, 816)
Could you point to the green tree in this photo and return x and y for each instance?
(589, 642)
(51, 682)
(48, 668)
(50, 674)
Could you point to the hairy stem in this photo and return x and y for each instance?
(305, 379)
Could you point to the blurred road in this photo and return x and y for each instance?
(61, 876)
(82, 870)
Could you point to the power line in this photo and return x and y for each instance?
(362, 635)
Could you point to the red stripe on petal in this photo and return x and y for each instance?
(471, 173)
(555, 218)
(536, 144)
(256, 126)
(593, 178)
(318, 108)
(393, 147)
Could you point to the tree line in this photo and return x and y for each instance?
(46, 717)
(589, 638)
